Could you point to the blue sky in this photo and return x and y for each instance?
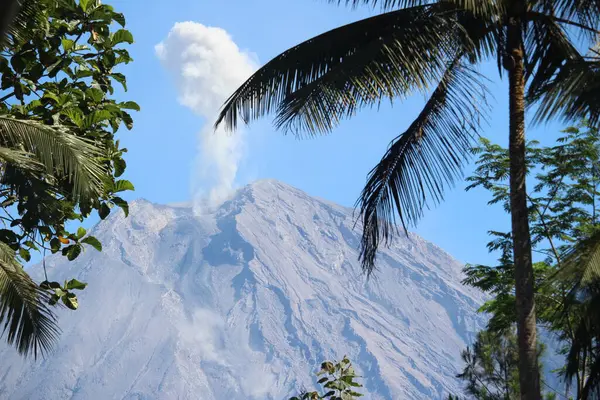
(164, 142)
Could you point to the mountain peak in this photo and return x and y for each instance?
(244, 302)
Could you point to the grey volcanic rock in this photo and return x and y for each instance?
(244, 301)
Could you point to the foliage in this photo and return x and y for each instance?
(59, 160)
(491, 366)
(563, 205)
(428, 47)
(431, 47)
(338, 381)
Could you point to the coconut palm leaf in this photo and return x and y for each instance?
(547, 46)
(422, 161)
(16, 16)
(573, 93)
(315, 84)
(486, 8)
(22, 160)
(29, 323)
(580, 266)
(582, 12)
(59, 152)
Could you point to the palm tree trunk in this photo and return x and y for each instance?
(526, 320)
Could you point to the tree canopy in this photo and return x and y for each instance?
(59, 157)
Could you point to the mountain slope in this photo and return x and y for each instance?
(244, 301)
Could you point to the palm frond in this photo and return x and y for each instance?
(383, 4)
(59, 151)
(478, 7)
(22, 160)
(16, 18)
(547, 46)
(573, 93)
(582, 12)
(580, 266)
(421, 162)
(29, 324)
(316, 83)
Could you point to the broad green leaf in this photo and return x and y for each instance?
(122, 204)
(73, 252)
(92, 241)
(95, 94)
(85, 4)
(130, 105)
(104, 211)
(120, 78)
(75, 284)
(96, 117)
(54, 245)
(75, 115)
(123, 185)
(81, 232)
(70, 300)
(119, 18)
(120, 166)
(49, 285)
(24, 254)
(67, 44)
(127, 120)
(121, 36)
(53, 299)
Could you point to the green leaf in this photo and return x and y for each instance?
(92, 241)
(54, 245)
(85, 4)
(70, 300)
(17, 63)
(120, 166)
(75, 115)
(120, 18)
(130, 105)
(119, 202)
(121, 36)
(127, 120)
(95, 94)
(73, 252)
(120, 78)
(104, 211)
(53, 299)
(80, 232)
(75, 284)
(96, 117)
(49, 285)
(322, 380)
(122, 185)
(67, 44)
(24, 254)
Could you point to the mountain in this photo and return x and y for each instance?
(244, 302)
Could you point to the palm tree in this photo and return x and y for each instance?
(432, 46)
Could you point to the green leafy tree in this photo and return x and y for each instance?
(580, 275)
(338, 380)
(491, 370)
(432, 47)
(563, 208)
(491, 366)
(59, 159)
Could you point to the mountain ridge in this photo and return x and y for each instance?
(244, 300)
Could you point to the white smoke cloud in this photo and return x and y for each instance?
(207, 67)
